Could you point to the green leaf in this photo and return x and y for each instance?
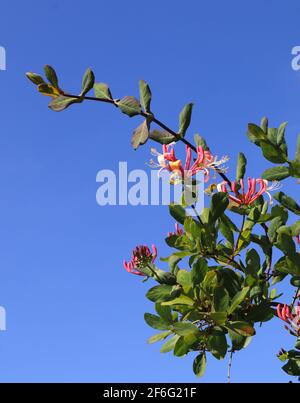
(220, 299)
(276, 173)
(185, 119)
(185, 328)
(199, 365)
(288, 265)
(130, 106)
(281, 133)
(199, 271)
(280, 211)
(60, 103)
(272, 153)
(192, 227)
(155, 321)
(238, 342)
(35, 78)
(292, 368)
(241, 328)
(164, 277)
(140, 135)
(264, 123)
(285, 241)
(162, 137)
(211, 281)
(47, 89)
(182, 347)
(218, 205)
(294, 167)
(51, 75)
(183, 344)
(102, 91)
(232, 281)
(217, 345)
(272, 135)
(170, 344)
(181, 300)
(227, 232)
(255, 133)
(200, 142)
(252, 262)
(88, 82)
(172, 262)
(164, 312)
(295, 228)
(145, 95)
(219, 317)
(244, 239)
(287, 202)
(163, 292)
(238, 299)
(275, 224)
(177, 212)
(261, 312)
(184, 278)
(292, 258)
(241, 166)
(158, 337)
(229, 224)
(295, 281)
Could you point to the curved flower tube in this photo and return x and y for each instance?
(293, 320)
(255, 188)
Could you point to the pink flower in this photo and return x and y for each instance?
(298, 239)
(178, 231)
(293, 320)
(204, 161)
(255, 188)
(141, 257)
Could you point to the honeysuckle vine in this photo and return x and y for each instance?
(220, 277)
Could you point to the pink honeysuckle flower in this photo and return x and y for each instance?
(203, 162)
(293, 320)
(255, 188)
(178, 231)
(298, 239)
(141, 257)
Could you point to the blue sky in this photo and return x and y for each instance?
(73, 313)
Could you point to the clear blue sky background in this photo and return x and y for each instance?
(73, 313)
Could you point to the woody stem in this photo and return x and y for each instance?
(229, 366)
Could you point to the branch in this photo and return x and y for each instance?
(153, 119)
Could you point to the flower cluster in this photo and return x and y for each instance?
(141, 257)
(203, 162)
(293, 320)
(255, 188)
(178, 231)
